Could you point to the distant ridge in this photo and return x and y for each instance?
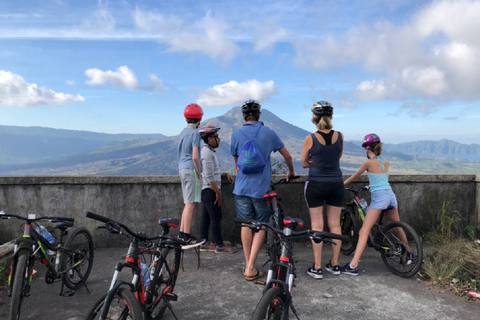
(47, 151)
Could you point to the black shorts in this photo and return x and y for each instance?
(318, 193)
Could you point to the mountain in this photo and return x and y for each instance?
(23, 145)
(45, 151)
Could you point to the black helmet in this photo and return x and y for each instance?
(251, 106)
(322, 108)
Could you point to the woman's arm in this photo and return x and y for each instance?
(354, 176)
(307, 145)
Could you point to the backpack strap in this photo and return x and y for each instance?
(256, 134)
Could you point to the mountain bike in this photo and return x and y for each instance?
(276, 219)
(128, 300)
(402, 258)
(71, 264)
(276, 300)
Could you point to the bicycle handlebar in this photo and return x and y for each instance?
(284, 180)
(4, 215)
(114, 226)
(317, 236)
(357, 190)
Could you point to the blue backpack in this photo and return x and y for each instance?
(250, 159)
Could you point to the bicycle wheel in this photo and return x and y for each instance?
(124, 306)
(348, 229)
(165, 277)
(272, 305)
(77, 258)
(403, 259)
(19, 282)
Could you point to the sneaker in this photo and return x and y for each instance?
(315, 273)
(225, 249)
(209, 247)
(193, 240)
(332, 269)
(348, 269)
(411, 258)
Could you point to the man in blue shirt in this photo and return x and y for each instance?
(250, 188)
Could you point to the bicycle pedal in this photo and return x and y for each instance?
(171, 296)
(260, 282)
(68, 294)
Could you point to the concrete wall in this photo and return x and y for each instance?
(140, 200)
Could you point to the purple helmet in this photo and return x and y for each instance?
(370, 139)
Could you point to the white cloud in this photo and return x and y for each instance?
(123, 78)
(266, 34)
(208, 35)
(233, 92)
(15, 91)
(432, 56)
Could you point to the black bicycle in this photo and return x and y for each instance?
(276, 219)
(403, 258)
(276, 300)
(71, 263)
(162, 256)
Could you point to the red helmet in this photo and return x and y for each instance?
(206, 131)
(193, 111)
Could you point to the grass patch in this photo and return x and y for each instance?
(452, 255)
(4, 274)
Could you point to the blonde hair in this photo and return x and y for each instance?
(322, 122)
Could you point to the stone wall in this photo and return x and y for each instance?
(138, 201)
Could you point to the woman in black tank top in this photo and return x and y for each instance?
(321, 153)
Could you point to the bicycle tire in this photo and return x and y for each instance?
(81, 244)
(272, 305)
(349, 230)
(397, 258)
(123, 301)
(165, 277)
(19, 282)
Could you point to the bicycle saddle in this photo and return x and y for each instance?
(166, 221)
(62, 225)
(293, 222)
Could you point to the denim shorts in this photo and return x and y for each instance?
(382, 199)
(252, 208)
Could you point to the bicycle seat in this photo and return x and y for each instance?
(293, 222)
(64, 225)
(270, 195)
(385, 211)
(166, 221)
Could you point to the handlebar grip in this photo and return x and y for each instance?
(240, 220)
(98, 217)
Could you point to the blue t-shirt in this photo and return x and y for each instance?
(257, 184)
(188, 139)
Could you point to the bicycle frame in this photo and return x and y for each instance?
(36, 244)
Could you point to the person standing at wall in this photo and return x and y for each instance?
(188, 153)
(250, 187)
(212, 193)
(321, 153)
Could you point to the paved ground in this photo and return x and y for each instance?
(218, 291)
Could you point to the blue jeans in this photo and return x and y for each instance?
(252, 208)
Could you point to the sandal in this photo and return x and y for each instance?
(259, 274)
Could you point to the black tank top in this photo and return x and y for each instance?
(325, 165)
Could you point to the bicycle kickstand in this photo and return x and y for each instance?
(294, 310)
(81, 278)
(169, 306)
(68, 293)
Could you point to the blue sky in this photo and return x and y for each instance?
(407, 70)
